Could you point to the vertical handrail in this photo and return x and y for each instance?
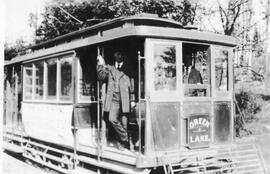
(98, 114)
(140, 99)
(74, 102)
(98, 121)
(139, 96)
(13, 98)
(16, 98)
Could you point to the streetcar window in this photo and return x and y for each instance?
(28, 81)
(164, 67)
(39, 67)
(196, 70)
(221, 70)
(87, 75)
(51, 78)
(66, 78)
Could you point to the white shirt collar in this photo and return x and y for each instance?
(116, 64)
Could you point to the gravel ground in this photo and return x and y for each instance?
(264, 143)
(14, 164)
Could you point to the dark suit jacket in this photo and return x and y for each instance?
(194, 77)
(126, 85)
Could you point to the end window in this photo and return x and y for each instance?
(196, 70)
(164, 67)
(221, 70)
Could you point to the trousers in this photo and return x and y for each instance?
(118, 120)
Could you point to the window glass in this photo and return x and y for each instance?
(39, 80)
(66, 77)
(221, 70)
(87, 79)
(87, 87)
(164, 67)
(51, 77)
(28, 81)
(87, 84)
(196, 70)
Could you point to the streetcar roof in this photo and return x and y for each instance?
(138, 25)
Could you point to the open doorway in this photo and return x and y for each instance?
(129, 48)
(91, 91)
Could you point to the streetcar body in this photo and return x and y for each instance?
(53, 96)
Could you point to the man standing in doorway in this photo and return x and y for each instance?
(119, 97)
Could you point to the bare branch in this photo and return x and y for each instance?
(254, 24)
(250, 69)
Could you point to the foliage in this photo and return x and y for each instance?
(19, 48)
(83, 14)
(248, 105)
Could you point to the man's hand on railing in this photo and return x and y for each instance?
(100, 60)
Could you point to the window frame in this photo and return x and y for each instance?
(35, 96)
(216, 93)
(82, 98)
(59, 82)
(44, 98)
(56, 97)
(209, 86)
(24, 82)
(149, 74)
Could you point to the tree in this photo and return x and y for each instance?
(257, 44)
(62, 17)
(224, 16)
(11, 51)
(230, 14)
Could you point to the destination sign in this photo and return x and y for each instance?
(199, 131)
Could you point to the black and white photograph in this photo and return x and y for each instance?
(135, 87)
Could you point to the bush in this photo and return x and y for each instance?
(249, 104)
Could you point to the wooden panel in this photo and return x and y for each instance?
(85, 116)
(48, 122)
(222, 122)
(165, 126)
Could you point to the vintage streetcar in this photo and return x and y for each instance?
(53, 110)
